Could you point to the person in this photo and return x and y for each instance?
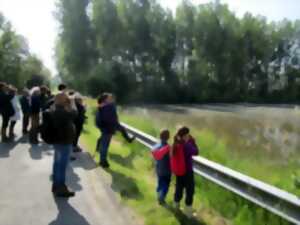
(108, 123)
(17, 113)
(25, 106)
(44, 97)
(35, 109)
(184, 149)
(63, 117)
(6, 109)
(79, 121)
(62, 88)
(163, 169)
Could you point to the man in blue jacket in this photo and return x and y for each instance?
(108, 123)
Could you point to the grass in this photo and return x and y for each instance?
(256, 164)
(132, 172)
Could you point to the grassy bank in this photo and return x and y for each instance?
(132, 171)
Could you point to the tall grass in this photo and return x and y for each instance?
(133, 178)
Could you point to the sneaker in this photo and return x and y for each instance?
(189, 211)
(104, 164)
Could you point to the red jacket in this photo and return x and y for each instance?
(178, 165)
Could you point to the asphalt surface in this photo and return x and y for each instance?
(25, 190)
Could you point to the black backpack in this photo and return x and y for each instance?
(47, 129)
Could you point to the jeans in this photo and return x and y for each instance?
(163, 187)
(103, 145)
(26, 117)
(186, 183)
(61, 159)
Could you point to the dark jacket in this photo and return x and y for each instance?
(80, 118)
(36, 104)
(25, 104)
(107, 119)
(6, 107)
(190, 150)
(64, 125)
(163, 167)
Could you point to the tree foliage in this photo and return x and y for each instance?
(144, 52)
(17, 65)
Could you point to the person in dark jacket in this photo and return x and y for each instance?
(79, 121)
(35, 109)
(185, 182)
(6, 109)
(108, 123)
(25, 106)
(161, 153)
(63, 122)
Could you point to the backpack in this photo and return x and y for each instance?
(178, 166)
(47, 128)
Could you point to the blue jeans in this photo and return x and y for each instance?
(163, 186)
(61, 160)
(104, 143)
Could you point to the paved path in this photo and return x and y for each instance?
(25, 196)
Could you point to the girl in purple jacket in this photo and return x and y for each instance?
(186, 182)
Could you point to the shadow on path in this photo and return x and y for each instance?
(5, 148)
(182, 218)
(36, 151)
(67, 215)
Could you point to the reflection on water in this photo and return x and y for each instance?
(273, 129)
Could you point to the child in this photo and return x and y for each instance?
(107, 121)
(183, 150)
(163, 170)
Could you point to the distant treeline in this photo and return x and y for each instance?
(18, 66)
(143, 52)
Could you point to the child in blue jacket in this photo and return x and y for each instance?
(163, 169)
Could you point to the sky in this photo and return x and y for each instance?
(35, 21)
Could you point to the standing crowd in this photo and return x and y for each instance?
(58, 119)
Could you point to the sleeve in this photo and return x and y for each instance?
(161, 152)
(98, 120)
(192, 147)
(115, 118)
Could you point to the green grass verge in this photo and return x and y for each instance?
(132, 171)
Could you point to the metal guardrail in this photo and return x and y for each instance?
(273, 199)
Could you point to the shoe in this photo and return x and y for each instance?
(104, 164)
(72, 158)
(188, 211)
(161, 202)
(12, 136)
(77, 149)
(62, 192)
(132, 139)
